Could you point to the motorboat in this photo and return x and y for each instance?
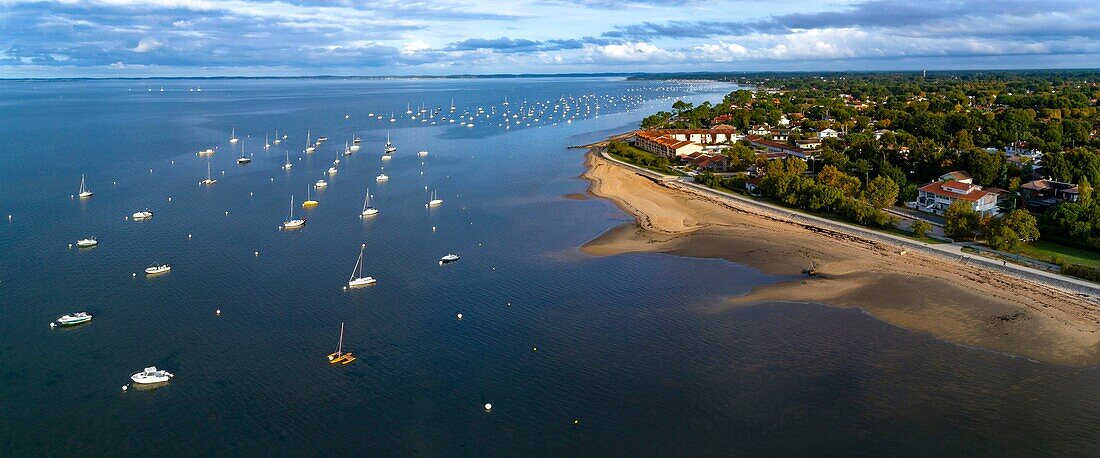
(320, 184)
(87, 243)
(142, 215)
(157, 269)
(321, 140)
(449, 258)
(332, 170)
(382, 177)
(151, 375)
(357, 279)
(72, 319)
(422, 153)
(206, 152)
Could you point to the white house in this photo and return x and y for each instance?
(827, 133)
(936, 196)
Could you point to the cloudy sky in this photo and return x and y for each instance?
(70, 38)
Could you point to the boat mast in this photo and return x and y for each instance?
(340, 343)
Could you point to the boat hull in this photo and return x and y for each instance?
(360, 282)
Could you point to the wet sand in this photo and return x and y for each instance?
(964, 304)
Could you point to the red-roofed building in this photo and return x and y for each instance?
(936, 196)
(664, 145)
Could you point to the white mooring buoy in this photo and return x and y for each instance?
(488, 407)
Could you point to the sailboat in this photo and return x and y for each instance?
(267, 144)
(288, 165)
(368, 210)
(244, 159)
(339, 356)
(347, 149)
(452, 104)
(309, 147)
(408, 109)
(84, 191)
(357, 279)
(435, 200)
(208, 181)
(233, 136)
(389, 149)
(292, 222)
(277, 139)
(309, 200)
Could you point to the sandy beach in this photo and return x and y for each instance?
(964, 304)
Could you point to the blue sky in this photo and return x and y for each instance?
(73, 38)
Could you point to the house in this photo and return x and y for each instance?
(664, 145)
(827, 133)
(703, 161)
(1022, 148)
(809, 143)
(758, 130)
(784, 121)
(777, 147)
(958, 175)
(752, 185)
(1042, 194)
(936, 196)
(881, 133)
(779, 135)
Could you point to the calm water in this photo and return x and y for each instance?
(629, 346)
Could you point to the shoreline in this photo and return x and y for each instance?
(964, 304)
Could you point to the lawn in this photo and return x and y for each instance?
(1049, 251)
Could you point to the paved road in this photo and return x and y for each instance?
(950, 251)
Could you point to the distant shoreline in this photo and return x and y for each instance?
(961, 303)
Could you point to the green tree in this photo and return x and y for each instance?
(1084, 192)
(961, 221)
(881, 192)
(920, 228)
(831, 176)
(1009, 231)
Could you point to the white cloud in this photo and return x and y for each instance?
(632, 52)
(414, 46)
(147, 44)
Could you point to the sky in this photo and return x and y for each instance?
(136, 38)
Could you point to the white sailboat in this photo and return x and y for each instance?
(288, 165)
(84, 191)
(267, 143)
(347, 149)
(208, 181)
(309, 147)
(368, 210)
(435, 202)
(233, 136)
(389, 149)
(357, 279)
(292, 222)
(244, 159)
(277, 140)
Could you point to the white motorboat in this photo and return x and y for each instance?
(451, 257)
(422, 153)
(206, 152)
(368, 210)
(208, 181)
(244, 160)
(151, 375)
(355, 145)
(142, 215)
(292, 222)
(84, 191)
(382, 177)
(72, 319)
(157, 269)
(87, 243)
(320, 183)
(435, 200)
(321, 139)
(332, 170)
(357, 140)
(357, 279)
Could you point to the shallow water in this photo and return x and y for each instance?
(628, 346)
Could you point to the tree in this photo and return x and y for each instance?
(984, 166)
(962, 222)
(1084, 192)
(1012, 229)
(920, 227)
(831, 176)
(881, 192)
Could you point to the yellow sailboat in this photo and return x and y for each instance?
(309, 200)
(339, 356)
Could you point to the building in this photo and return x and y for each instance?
(809, 143)
(1043, 194)
(777, 147)
(827, 133)
(664, 145)
(936, 196)
(958, 175)
(713, 136)
(707, 161)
